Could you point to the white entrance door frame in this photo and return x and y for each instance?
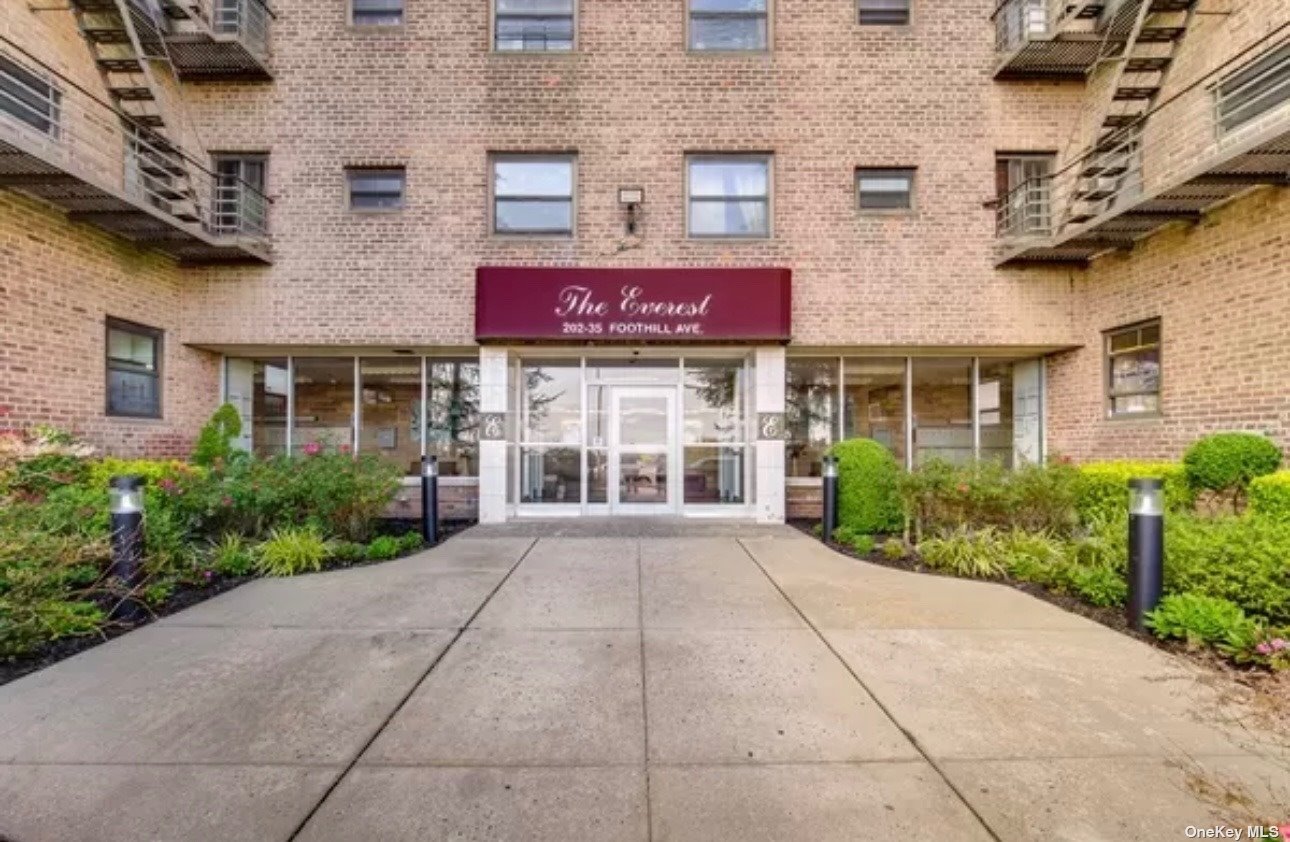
(649, 444)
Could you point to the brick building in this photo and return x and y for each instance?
(650, 257)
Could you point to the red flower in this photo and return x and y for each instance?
(313, 448)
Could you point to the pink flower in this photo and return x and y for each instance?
(313, 448)
(1264, 649)
(1278, 644)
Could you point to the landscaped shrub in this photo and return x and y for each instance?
(232, 556)
(36, 461)
(894, 549)
(383, 548)
(1225, 463)
(1098, 584)
(215, 442)
(1102, 488)
(1199, 619)
(1034, 556)
(1270, 495)
(154, 472)
(290, 551)
(410, 542)
(868, 487)
(939, 495)
(1245, 560)
(975, 554)
(346, 552)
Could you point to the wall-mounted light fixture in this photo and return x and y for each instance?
(631, 198)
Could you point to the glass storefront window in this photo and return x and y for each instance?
(994, 402)
(716, 432)
(550, 456)
(942, 398)
(874, 401)
(390, 410)
(324, 404)
(452, 416)
(259, 390)
(811, 403)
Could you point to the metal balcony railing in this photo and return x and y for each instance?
(1017, 22)
(246, 20)
(1223, 133)
(220, 39)
(54, 132)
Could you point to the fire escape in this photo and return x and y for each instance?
(123, 163)
(1152, 160)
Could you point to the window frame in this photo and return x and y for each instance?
(904, 24)
(158, 337)
(52, 95)
(352, 171)
(768, 158)
(242, 159)
(1109, 394)
(571, 158)
(888, 172)
(355, 22)
(1274, 65)
(768, 15)
(494, 16)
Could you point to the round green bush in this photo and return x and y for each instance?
(868, 487)
(1229, 461)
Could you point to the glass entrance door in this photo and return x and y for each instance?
(642, 449)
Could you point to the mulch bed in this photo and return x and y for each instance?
(184, 596)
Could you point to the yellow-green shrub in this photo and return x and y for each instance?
(1270, 495)
(152, 470)
(1102, 488)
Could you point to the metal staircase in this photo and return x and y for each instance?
(125, 37)
(1141, 40)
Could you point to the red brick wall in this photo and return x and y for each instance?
(58, 284)
(1222, 290)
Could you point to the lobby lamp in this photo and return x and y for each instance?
(1146, 548)
(430, 499)
(125, 505)
(830, 472)
(631, 198)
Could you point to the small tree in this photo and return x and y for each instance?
(215, 442)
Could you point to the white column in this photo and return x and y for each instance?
(494, 394)
(769, 411)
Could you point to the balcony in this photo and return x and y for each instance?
(1222, 135)
(210, 40)
(62, 144)
(1055, 39)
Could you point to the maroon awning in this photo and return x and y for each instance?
(544, 303)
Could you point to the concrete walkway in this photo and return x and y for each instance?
(700, 682)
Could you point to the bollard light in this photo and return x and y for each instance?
(1146, 548)
(125, 505)
(830, 473)
(430, 499)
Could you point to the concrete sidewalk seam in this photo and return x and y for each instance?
(886, 711)
(416, 685)
(640, 621)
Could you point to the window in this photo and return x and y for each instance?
(376, 12)
(884, 12)
(533, 25)
(533, 194)
(811, 398)
(1023, 212)
(1133, 370)
(885, 190)
(380, 190)
(728, 24)
(29, 98)
(729, 196)
(239, 194)
(133, 370)
(1255, 90)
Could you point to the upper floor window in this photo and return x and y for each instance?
(1255, 90)
(28, 97)
(729, 195)
(1133, 369)
(728, 24)
(533, 194)
(1023, 211)
(885, 189)
(376, 189)
(376, 12)
(133, 370)
(240, 206)
(533, 25)
(884, 12)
